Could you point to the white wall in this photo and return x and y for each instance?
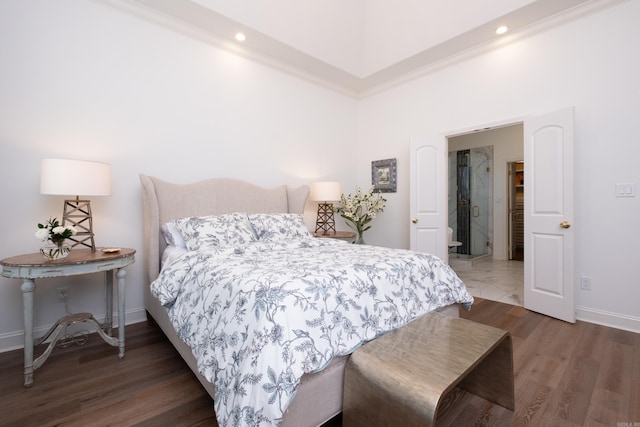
(82, 80)
(591, 64)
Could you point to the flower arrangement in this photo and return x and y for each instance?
(54, 232)
(360, 209)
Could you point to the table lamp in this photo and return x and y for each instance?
(325, 193)
(76, 177)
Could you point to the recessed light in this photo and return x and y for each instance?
(240, 37)
(502, 29)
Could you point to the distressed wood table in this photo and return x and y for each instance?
(79, 261)
(347, 236)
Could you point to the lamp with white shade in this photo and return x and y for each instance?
(80, 178)
(325, 192)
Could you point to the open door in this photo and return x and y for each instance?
(428, 195)
(549, 241)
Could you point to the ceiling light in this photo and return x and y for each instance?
(502, 29)
(240, 37)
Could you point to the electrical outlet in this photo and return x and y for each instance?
(63, 294)
(585, 283)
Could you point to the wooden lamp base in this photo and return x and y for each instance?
(325, 222)
(77, 213)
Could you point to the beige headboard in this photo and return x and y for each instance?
(164, 201)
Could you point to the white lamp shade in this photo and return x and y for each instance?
(75, 178)
(326, 191)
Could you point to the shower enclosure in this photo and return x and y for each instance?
(471, 201)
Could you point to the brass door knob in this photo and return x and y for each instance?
(414, 220)
(565, 224)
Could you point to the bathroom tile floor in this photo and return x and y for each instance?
(501, 281)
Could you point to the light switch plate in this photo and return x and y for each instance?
(625, 189)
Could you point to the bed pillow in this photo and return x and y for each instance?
(278, 227)
(172, 235)
(215, 230)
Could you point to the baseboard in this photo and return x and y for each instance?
(15, 340)
(605, 318)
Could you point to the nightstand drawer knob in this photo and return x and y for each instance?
(414, 220)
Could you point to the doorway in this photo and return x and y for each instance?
(547, 149)
(490, 272)
(501, 145)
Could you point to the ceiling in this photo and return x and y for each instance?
(359, 47)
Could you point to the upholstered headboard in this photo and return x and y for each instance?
(164, 201)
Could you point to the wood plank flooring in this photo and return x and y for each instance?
(565, 375)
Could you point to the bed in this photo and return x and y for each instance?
(177, 282)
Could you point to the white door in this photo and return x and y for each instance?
(428, 195)
(548, 207)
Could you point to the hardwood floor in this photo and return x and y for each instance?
(565, 375)
(91, 386)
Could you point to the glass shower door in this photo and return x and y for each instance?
(481, 160)
(471, 214)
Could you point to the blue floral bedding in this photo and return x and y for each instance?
(260, 315)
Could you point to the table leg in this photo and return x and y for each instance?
(108, 322)
(28, 287)
(121, 275)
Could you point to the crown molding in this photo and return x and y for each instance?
(198, 22)
(440, 59)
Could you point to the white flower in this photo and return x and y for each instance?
(42, 234)
(58, 230)
(53, 231)
(358, 210)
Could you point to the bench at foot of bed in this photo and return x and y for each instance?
(401, 378)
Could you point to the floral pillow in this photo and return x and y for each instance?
(172, 235)
(216, 230)
(278, 227)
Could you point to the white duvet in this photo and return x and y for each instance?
(260, 315)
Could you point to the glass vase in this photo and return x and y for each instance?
(53, 251)
(360, 239)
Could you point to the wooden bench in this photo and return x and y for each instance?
(401, 377)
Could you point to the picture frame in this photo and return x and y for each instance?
(384, 175)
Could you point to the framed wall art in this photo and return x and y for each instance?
(383, 175)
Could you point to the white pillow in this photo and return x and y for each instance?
(172, 235)
(278, 227)
(215, 230)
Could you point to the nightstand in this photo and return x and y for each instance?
(79, 261)
(348, 236)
